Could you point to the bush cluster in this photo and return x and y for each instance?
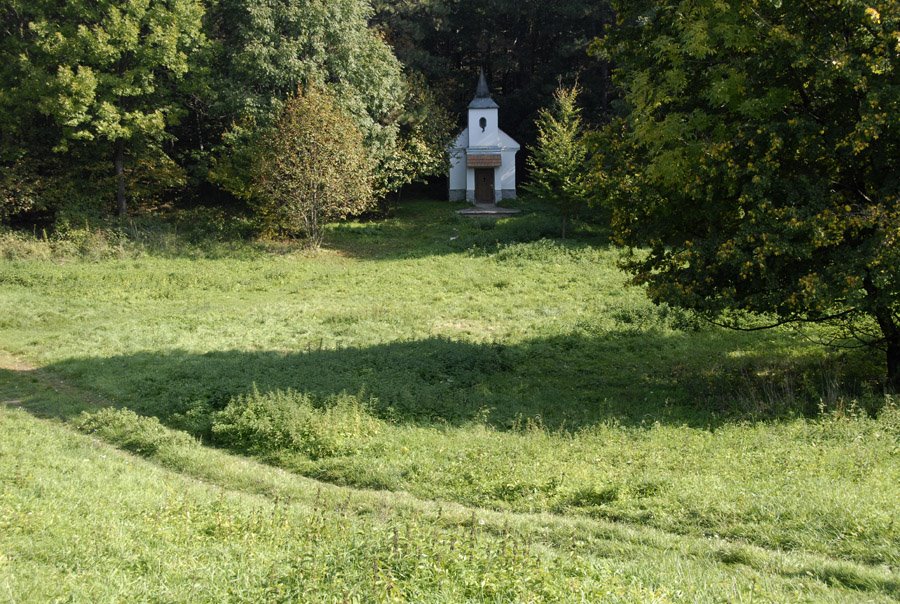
(289, 421)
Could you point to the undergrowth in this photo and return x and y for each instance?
(289, 422)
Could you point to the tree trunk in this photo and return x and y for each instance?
(891, 332)
(121, 203)
(893, 364)
(883, 314)
(605, 72)
(565, 221)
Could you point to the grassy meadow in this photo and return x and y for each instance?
(433, 408)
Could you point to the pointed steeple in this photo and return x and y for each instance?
(483, 98)
(483, 91)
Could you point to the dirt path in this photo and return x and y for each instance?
(9, 362)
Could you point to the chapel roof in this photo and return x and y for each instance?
(483, 98)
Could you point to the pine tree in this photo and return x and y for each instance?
(557, 162)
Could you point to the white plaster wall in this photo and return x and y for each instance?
(491, 136)
(461, 142)
(458, 170)
(507, 143)
(506, 173)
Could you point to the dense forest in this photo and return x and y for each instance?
(129, 105)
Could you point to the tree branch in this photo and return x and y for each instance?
(781, 323)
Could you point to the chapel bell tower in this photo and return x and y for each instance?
(484, 118)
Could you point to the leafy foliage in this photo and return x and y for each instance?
(265, 49)
(177, 95)
(524, 46)
(314, 168)
(758, 156)
(558, 161)
(426, 130)
(289, 422)
(19, 191)
(100, 73)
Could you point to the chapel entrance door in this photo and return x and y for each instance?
(484, 185)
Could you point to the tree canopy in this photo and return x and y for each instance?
(524, 46)
(186, 87)
(176, 92)
(101, 72)
(757, 159)
(265, 48)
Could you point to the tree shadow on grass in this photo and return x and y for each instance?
(424, 229)
(563, 383)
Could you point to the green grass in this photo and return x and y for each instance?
(82, 521)
(441, 362)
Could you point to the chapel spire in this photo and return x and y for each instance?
(483, 98)
(483, 91)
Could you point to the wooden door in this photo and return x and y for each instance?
(484, 185)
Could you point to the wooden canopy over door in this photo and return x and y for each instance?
(484, 185)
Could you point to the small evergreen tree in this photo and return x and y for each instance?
(557, 161)
(314, 167)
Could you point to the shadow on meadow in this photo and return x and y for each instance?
(422, 229)
(417, 229)
(568, 382)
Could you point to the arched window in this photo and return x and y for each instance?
(483, 124)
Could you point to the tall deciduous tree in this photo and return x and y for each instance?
(759, 158)
(102, 70)
(558, 161)
(314, 167)
(264, 49)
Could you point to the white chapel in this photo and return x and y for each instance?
(483, 158)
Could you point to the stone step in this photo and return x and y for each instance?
(488, 209)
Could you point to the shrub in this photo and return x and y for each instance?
(66, 242)
(18, 246)
(19, 190)
(288, 421)
(543, 250)
(314, 168)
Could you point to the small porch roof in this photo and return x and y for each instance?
(484, 160)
